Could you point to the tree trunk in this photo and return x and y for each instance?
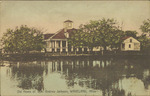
(75, 51)
(91, 49)
(104, 51)
(45, 50)
(104, 48)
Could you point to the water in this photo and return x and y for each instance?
(104, 77)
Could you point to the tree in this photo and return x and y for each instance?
(146, 26)
(76, 39)
(131, 33)
(22, 40)
(145, 43)
(102, 32)
(108, 33)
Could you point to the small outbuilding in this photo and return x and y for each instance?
(130, 44)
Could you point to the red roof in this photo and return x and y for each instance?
(125, 37)
(60, 35)
(46, 36)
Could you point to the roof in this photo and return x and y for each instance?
(60, 34)
(124, 38)
(46, 36)
(68, 21)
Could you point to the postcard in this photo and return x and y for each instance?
(74, 48)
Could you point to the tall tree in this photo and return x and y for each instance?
(146, 26)
(109, 33)
(104, 32)
(22, 39)
(77, 39)
(145, 41)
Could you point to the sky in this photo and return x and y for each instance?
(48, 16)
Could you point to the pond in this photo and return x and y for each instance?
(76, 76)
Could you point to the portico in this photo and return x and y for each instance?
(57, 46)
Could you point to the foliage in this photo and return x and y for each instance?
(23, 39)
(146, 26)
(131, 33)
(145, 42)
(76, 38)
(102, 32)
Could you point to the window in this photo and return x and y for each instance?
(69, 24)
(130, 40)
(129, 45)
(123, 45)
(63, 43)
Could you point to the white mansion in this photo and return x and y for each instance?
(58, 42)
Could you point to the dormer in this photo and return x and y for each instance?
(66, 34)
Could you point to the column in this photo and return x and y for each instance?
(47, 46)
(82, 49)
(50, 46)
(88, 49)
(72, 48)
(66, 46)
(77, 49)
(55, 47)
(61, 46)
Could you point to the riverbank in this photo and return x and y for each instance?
(43, 56)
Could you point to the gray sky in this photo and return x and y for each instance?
(50, 15)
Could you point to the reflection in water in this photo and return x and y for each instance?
(29, 75)
(111, 76)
